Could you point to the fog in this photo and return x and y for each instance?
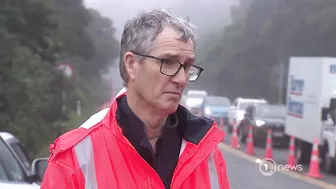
(208, 16)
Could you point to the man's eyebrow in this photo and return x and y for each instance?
(170, 55)
(191, 59)
(176, 56)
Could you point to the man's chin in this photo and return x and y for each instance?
(171, 107)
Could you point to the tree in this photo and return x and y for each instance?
(26, 70)
(36, 35)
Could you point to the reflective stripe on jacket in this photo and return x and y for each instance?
(98, 156)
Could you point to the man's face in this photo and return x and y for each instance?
(161, 91)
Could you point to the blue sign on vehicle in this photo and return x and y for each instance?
(296, 86)
(332, 68)
(295, 108)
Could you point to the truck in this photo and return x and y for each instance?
(311, 108)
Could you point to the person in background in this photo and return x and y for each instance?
(145, 139)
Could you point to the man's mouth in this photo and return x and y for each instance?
(174, 93)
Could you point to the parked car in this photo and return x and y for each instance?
(263, 117)
(216, 107)
(15, 164)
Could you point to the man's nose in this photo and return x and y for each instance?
(181, 77)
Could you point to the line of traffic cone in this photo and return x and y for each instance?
(250, 143)
(234, 139)
(291, 156)
(269, 150)
(314, 166)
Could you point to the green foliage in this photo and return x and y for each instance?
(246, 59)
(36, 35)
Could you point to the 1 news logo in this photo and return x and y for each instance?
(269, 167)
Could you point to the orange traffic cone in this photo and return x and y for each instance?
(250, 143)
(221, 126)
(269, 151)
(291, 156)
(314, 167)
(222, 123)
(234, 139)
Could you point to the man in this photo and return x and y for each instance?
(145, 140)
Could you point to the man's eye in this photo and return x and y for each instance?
(168, 61)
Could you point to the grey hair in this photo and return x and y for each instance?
(141, 31)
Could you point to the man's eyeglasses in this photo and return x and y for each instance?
(170, 67)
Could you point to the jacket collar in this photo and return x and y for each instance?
(195, 128)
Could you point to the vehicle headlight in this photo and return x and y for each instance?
(207, 111)
(259, 123)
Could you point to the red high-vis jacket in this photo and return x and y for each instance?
(98, 156)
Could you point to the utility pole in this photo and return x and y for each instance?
(63, 100)
(66, 72)
(79, 108)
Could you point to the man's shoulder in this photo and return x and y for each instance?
(71, 138)
(95, 119)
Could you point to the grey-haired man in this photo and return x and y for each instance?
(145, 139)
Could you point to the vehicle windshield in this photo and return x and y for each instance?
(3, 175)
(217, 101)
(10, 168)
(22, 154)
(271, 111)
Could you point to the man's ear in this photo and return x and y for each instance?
(131, 64)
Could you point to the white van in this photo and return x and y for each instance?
(195, 98)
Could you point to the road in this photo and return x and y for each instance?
(243, 171)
